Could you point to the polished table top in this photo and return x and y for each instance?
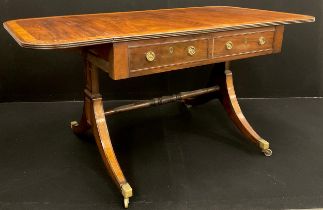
(91, 29)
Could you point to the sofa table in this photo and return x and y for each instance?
(138, 43)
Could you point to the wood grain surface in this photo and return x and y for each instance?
(91, 29)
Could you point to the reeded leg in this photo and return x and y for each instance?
(229, 101)
(102, 138)
(93, 118)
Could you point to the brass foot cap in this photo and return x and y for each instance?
(126, 190)
(74, 124)
(263, 144)
(188, 106)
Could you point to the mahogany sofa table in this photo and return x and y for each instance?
(131, 44)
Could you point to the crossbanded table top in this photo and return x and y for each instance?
(91, 29)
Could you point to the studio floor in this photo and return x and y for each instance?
(174, 158)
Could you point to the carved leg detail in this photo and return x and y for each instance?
(229, 101)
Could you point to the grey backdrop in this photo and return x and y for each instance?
(40, 75)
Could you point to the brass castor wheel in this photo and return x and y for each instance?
(186, 103)
(126, 203)
(267, 152)
(74, 124)
(264, 145)
(188, 106)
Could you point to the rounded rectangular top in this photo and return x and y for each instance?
(91, 29)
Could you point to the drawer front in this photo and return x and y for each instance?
(157, 55)
(243, 43)
(151, 56)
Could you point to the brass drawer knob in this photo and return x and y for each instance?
(191, 50)
(229, 45)
(150, 56)
(262, 40)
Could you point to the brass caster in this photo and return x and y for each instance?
(74, 124)
(126, 191)
(126, 203)
(267, 152)
(264, 145)
(188, 106)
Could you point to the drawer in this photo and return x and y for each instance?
(243, 43)
(151, 56)
(157, 55)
